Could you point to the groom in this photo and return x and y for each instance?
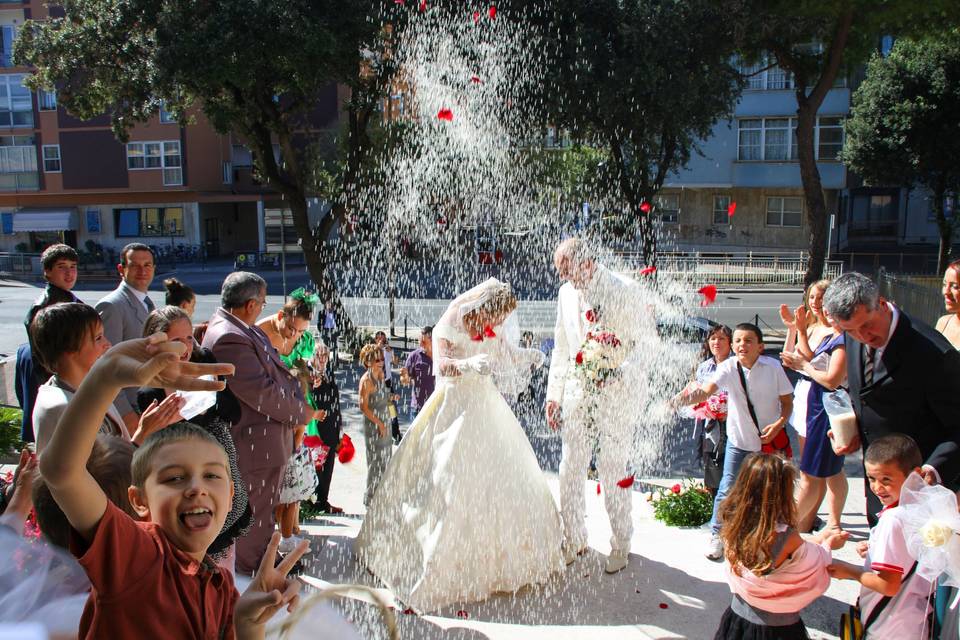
(593, 297)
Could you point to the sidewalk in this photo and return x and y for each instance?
(669, 590)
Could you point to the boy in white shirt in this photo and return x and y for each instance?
(894, 600)
(771, 397)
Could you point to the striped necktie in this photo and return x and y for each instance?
(868, 358)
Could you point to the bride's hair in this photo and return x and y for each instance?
(499, 303)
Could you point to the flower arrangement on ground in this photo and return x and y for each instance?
(683, 505)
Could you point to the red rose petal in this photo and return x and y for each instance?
(626, 483)
(646, 271)
(579, 357)
(423, 5)
(731, 208)
(463, 614)
(664, 605)
(492, 12)
(488, 332)
(645, 207)
(709, 293)
(476, 80)
(476, 16)
(598, 488)
(445, 114)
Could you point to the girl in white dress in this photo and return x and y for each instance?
(463, 510)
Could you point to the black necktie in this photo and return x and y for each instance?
(868, 357)
(150, 306)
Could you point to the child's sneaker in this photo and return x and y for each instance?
(714, 548)
(288, 544)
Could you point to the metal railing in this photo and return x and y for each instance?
(735, 269)
(918, 295)
(19, 264)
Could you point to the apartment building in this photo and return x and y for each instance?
(187, 188)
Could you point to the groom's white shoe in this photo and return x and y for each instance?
(571, 553)
(616, 561)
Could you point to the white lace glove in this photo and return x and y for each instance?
(479, 363)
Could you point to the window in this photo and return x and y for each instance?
(165, 116)
(762, 76)
(227, 173)
(51, 158)
(829, 138)
(172, 173)
(149, 221)
(163, 155)
(751, 136)
(8, 33)
(47, 100)
(721, 207)
(783, 211)
(16, 102)
(775, 139)
(776, 134)
(668, 207)
(18, 154)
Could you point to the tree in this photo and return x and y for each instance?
(904, 128)
(251, 67)
(816, 41)
(645, 80)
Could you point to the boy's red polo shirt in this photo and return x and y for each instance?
(144, 587)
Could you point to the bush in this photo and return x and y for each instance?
(10, 420)
(689, 505)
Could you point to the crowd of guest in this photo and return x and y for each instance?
(246, 405)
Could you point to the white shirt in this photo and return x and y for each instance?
(893, 327)
(767, 382)
(904, 615)
(141, 296)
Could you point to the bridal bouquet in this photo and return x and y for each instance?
(600, 356)
(713, 408)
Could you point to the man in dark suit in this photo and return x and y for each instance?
(271, 405)
(904, 377)
(124, 311)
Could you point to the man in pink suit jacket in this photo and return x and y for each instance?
(271, 405)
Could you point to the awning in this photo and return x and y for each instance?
(47, 220)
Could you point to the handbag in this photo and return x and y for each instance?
(780, 444)
(852, 628)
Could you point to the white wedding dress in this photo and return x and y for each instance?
(463, 510)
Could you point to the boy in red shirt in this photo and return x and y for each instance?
(152, 579)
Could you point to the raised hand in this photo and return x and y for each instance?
(155, 362)
(270, 590)
(786, 317)
(801, 318)
(159, 415)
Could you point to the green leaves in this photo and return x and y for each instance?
(687, 505)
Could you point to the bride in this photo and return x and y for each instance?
(463, 510)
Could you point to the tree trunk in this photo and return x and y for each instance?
(943, 226)
(812, 192)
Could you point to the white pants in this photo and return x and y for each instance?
(616, 442)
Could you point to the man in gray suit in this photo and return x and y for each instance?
(124, 312)
(271, 402)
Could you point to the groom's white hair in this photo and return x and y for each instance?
(574, 249)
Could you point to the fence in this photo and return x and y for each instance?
(732, 269)
(20, 264)
(919, 295)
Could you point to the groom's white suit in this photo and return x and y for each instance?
(610, 414)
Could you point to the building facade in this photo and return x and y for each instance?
(185, 190)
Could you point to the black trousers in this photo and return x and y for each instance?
(331, 437)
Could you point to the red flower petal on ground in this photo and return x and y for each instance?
(676, 488)
(645, 207)
(579, 357)
(445, 114)
(492, 12)
(463, 614)
(709, 293)
(488, 332)
(476, 80)
(590, 315)
(346, 450)
(476, 16)
(731, 208)
(598, 488)
(626, 483)
(646, 271)
(664, 605)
